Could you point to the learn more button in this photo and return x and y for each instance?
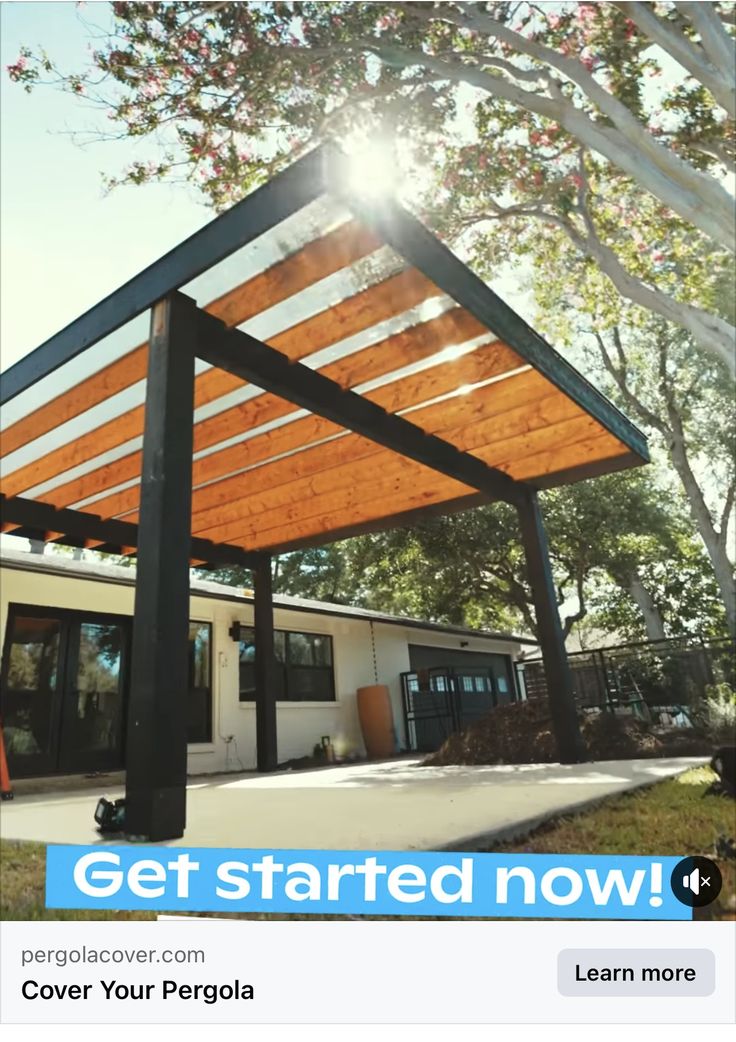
(649, 972)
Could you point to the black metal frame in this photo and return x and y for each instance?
(317, 173)
(156, 767)
(257, 213)
(570, 744)
(76, 526)
(265, 664)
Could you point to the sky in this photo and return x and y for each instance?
(64, 244)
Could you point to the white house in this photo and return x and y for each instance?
(67, 628)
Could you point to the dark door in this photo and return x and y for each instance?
(64, 680)
(497, 668)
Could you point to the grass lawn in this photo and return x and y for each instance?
(23, 884)
(674, 817)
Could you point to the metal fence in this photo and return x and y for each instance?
(441, 700)
(654, 679)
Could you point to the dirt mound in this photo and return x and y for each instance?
(518, 733)
(522, 733)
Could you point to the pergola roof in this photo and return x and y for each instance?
(360, 293)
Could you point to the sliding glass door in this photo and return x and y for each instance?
(64, 676)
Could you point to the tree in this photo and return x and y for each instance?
(689, 408)
(616, 533)
(537, 105)
(683, 400)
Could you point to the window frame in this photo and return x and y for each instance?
(286, 668)
(209, 689)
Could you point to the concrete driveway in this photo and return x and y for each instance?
(379, 806)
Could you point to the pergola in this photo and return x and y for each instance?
(318, 365)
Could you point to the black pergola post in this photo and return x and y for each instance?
(156, 752)
(570, 745)
(266, 737)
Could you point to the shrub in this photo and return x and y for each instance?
(715, 715)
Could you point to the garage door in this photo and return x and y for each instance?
(468, 663)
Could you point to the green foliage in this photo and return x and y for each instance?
(468, 568)
(715, 717)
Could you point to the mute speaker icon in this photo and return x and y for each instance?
(696, 881)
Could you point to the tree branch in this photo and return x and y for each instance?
(718, 45)
(675, 170)
(697, 197)
(619, 375)
(691, 57)
(726, 514)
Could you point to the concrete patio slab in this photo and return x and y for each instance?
(379, 806)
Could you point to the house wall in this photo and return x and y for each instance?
(364, 652)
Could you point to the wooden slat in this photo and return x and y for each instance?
(509, 453)
(600, 446)
(487, 361)
(465, 412)
(352, 459)
(382, 301)
(323, 514)
(411, 345)
(364, 473)
(413, 496)
(315, 261)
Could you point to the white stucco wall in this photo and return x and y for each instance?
(300, 724)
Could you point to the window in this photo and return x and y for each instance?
(199, 708)
(304, 666)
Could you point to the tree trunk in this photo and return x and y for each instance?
(649, 610)
(714, 544)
